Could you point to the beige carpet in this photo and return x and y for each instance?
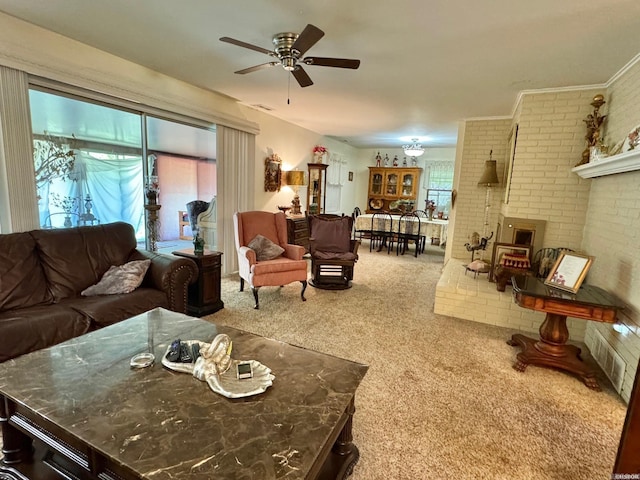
(440, 400)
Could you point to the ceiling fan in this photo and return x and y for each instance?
(289, 47)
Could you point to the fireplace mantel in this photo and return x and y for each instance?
(623, 162)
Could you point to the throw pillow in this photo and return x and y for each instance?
(121, 279)
(265, 249)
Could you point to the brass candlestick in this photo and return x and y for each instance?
(594, 122)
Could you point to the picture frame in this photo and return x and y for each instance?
(351, 176)
(500, 248)
(569, 271)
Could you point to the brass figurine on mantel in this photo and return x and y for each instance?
(594, 122)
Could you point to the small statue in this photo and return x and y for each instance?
(386, 160)
(395, 161)
(594, 122)
(378, 159)
(214, 359)
(404, 162)
(198, 244)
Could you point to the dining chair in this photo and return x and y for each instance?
(408, 230)
(382, 233)
(424, 217)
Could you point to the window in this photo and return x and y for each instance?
(89, 164)
(439, 183)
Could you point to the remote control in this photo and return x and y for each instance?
(173, 355)
(185, 353)
(195, 351)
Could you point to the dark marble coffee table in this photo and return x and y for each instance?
(78, 407)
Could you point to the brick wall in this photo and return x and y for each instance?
(480, 137)
(599, 216)
(612, 229)
(550, 142)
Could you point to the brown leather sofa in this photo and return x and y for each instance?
(42, 273)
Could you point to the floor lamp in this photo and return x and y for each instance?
(489, 179)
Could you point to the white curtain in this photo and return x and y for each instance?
(236, 170)
(336, 177)
(18, 203)
(113, 183)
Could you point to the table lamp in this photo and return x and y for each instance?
(295, 179)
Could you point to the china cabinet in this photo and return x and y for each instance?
(389, 188)
(317, 189)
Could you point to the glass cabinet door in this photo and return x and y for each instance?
(317, 188)
(376, 184)
(392, 184)
(408, 181)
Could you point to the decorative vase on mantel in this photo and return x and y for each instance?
(318, 157)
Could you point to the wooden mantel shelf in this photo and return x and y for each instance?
(623, 162)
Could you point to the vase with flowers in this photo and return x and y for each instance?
(431, 207)
(318, 153)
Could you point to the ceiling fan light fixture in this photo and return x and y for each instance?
(289, 64)
(414, 149)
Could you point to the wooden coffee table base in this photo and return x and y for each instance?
(552, 350)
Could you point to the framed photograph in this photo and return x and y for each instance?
(511, 251)
(569, 271)
(351, 176)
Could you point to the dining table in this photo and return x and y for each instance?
(435, 228)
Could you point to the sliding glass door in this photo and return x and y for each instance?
(89, 166)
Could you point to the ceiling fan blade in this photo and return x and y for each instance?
(233, 41)
(301, 76)
(307, 39)
(332, 62)
(257, 67)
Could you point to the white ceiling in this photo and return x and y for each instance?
(425, 64)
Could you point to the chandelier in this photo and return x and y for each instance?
(414, 149)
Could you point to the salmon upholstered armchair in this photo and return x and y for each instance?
(264, 256)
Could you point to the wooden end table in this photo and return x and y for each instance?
(204, 294)
(551, 349)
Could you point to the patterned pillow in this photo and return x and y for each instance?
(265, 249)
(121, 279)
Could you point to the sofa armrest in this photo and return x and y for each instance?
(170, 274)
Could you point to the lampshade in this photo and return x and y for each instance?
(295, 178)
(414, 149)
(490, 175)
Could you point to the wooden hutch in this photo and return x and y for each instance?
(389, 186)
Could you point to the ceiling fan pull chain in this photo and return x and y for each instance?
(289, 90)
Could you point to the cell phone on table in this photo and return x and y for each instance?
(244, 370)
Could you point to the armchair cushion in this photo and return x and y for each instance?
(331, 235)
(265, 249)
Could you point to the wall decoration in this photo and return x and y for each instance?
(569, 271)
(272, 173)
(594, 122)
(351, 176)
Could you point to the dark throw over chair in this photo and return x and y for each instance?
(333, 251)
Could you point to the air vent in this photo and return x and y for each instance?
(609, 360)
(262, 107)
